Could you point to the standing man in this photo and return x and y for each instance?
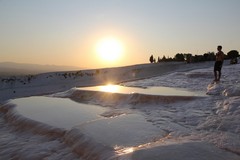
(151, 59)
(218, 64)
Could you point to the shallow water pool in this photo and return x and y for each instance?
(58, 112)
(166, 91)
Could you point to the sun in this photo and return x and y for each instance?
(109, 49)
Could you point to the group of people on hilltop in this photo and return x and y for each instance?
(217, 66)
(153, 60)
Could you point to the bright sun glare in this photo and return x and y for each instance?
(109, 88)
(109, 49)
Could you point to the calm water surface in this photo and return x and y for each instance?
(59, 112)
(65, 113)
(149, 90)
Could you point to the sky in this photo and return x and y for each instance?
(67, 32)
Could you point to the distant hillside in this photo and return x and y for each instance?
(11, 68)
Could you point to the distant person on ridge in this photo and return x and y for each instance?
(151, 59)
(218, 64)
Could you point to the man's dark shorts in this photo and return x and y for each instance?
(218, 66)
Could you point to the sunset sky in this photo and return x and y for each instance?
(82, 32)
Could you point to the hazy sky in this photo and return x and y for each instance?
(66, 32)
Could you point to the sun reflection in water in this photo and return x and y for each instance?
(128, 150)
(109, 88)
(122, 151)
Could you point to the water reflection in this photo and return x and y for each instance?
(58, 112)
(122, 151)
(155, 90)
(109, 88)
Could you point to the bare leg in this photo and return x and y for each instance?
(219, 75)
(215, 74)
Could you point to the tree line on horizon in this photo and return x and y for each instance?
(189, 58)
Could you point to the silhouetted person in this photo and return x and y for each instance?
(218, 63)
(159, 60)
(151, 59)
